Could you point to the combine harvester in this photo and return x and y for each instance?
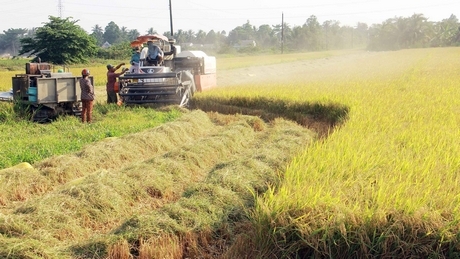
(165, 74)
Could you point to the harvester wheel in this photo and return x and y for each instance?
(185, 97)
(189, 88)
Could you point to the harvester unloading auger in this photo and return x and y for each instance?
(165, 74)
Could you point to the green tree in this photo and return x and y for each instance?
(116, 51)
(244, 32)
(361, 34)
(151, 31)
(98, 34)
(332, 36)
(298, 39)
(190, 35)
(124, 34)
(11, 40)
(281, 32)
(400, 32)
(180, 36)
(200, 37)
(221, 37)
(266, 37)
(133, 34)
(112, 33)
(60, 41)
(386, 36)
(446, 32)
(211, 37)
(417, 30)
(312, 32)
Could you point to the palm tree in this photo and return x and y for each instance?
(124, 33)
(447, 32)
(180, 36)
(312, 31)
(151, 31)
(190, 34)
(98, 34)
(200, 37)
(133, 34)
(417, 30)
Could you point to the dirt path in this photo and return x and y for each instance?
(313, 69)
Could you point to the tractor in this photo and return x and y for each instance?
(44, 94)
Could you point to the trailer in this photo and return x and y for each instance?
(44, 95)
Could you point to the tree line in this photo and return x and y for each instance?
(392, 34)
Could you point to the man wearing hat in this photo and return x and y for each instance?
(111, 80)
(135, 60)
(154, 54)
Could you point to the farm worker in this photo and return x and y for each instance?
(154, 54)
(87, 96)
(111, 80)
(135, 59)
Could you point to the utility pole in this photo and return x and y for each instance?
(282, 33)
(171, 19)
(353, 28)
(60, 8)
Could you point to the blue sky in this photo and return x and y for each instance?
(215, 14)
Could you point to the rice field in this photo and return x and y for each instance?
(383, 182)
(386, 182)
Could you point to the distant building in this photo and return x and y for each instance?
(106, 45)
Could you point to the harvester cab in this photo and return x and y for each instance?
(165, 74)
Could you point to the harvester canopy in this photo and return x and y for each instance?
(154, 37)
(136, 43)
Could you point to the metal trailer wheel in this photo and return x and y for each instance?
(76, 109)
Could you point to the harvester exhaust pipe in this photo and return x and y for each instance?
(171, 19)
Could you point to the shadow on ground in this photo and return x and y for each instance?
(319, 117)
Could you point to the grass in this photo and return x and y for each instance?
(12, 64)
(25, 141)
(170, 185)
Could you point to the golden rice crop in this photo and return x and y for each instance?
(388, 179)
(5, 79)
